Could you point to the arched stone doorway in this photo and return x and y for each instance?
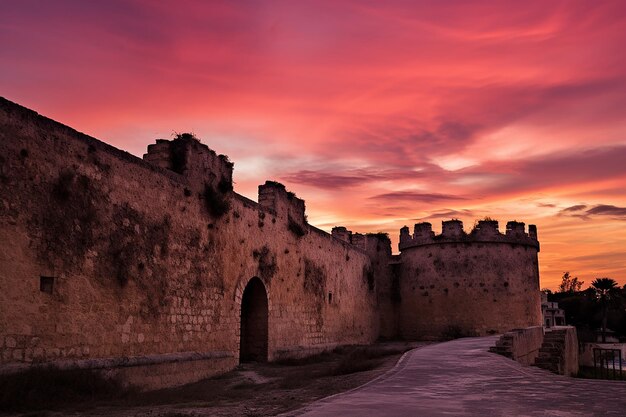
(254, 312)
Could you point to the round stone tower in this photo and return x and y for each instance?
(463, 284)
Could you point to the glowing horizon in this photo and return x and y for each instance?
(378, 117)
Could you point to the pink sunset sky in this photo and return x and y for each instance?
(378, 114)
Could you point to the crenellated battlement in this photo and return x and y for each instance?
(452, 229)
(484, 231)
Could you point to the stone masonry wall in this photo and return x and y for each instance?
(138, 267)
(144, 260)
(479, 283)
(381, 276)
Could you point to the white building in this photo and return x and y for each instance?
(552, 314)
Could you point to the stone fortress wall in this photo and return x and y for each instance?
(106, 256)
(157, 269)
(477, 283)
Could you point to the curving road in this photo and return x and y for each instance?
(460, 378)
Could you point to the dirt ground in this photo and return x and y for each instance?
(253, 389)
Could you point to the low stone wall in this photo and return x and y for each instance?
(521, 345)
(569, 363)
(106, 257)
(555, 350)
(171, 374)
(146, 372)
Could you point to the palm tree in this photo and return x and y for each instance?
(605, 289)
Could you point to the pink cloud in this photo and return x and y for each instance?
(349, 101)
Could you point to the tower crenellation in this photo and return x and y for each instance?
(423, 231)
(516, 229)
(405, 236)
(485, 231)
(452, 229)
(487, 228)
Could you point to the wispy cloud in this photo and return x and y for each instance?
(585, 212)
(448, 214)
(413, 196)
(333, 179)
(577, 207)
(607, 210)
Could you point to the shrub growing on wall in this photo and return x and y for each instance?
(295, 228)
(267, 263)
(215, 201)
(368, 277)
(314, 278)
(67, 218)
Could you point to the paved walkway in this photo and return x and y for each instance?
(460, 378)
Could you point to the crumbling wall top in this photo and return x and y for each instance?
(342, 233)
(187, 156)
(368, 242)
(274, 196)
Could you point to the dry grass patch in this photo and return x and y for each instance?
(257, 389)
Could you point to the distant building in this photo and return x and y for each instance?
(552, 314)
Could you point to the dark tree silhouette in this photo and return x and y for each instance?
(570, 284)
(606, 290)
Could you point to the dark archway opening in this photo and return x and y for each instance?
(254, 312)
